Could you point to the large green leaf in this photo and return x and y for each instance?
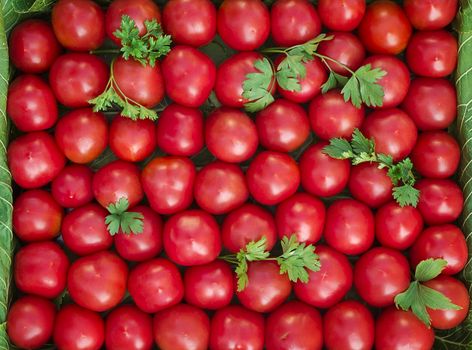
(15, 10)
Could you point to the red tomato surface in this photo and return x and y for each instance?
(342, 15)
(73, 186)
(431, 14)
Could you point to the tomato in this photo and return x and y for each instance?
(234, 327)
(393, 131)
(266, 289)
(132, 140)
(322, 175)
(432, 54)
(385, 29)
(398, 329)
(179, 130)
(443, 241)
(430, 15)
(397, 227)
(31, 104)
(190, 22)
(245, 224)
(381, 274)
(128, 328)
(30, 322)
(79, 25)
(431, 103)
(342, 15)
(77, 328)
(244, 25)
(441, 201)
(348, 325)
(33, 47)
(34, 159)
(77, 78)
(209, 286)
(330, 284)
(349, 226)
(145, 245)
(155, 285)
(194, 226)
(41, 269)
(36, 216)
(106, 272)
(220, 187)
(189, 75)
(272, 177)
(168, 184)
(182, 327)
(84, 231)
(72, 188)
(282, 126)
(293, 22)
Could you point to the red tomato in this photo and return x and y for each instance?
(33, 47)
(209, 286)
(41, 269)
(36, 216)
(168, 184)
(98, 281)
(190, 22)
(34, 159)
(79, 25)
(385, 29)
(182, 327)
(77, 78)
(381, 274)
(282, 126)
(179, 130)
(155, 285)
(342, 15)
(244, 25)
(272, 177)
(348, 325)
(432, 54)
(329, 285)
(128, 328)
(30, 322)
(431, 14)
(72, 188)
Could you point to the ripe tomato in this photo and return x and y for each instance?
(370, 185)
(30, 322)
(182, 327)
(431, 14)
(41, 269)
(272, 177)
(209, 286)
(155, 285)
(381, 274)
(33, 47)
(34, 159)
(190, 22)
(36, 216)
(344, 15)
(106, 272)
(73, 186)
(244, 25)
(329, 285)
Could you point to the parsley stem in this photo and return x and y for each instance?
(104, 51)
(325, 58)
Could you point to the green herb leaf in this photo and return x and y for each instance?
(257, 86)
(339, 148)
(430, 268)
(122, 220)
(256, 250)
(362, 87)
(334, 80)
(406, 195)
(241, 274)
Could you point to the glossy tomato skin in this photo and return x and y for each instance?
(370, 185)
(155, 285)
(33, 47)
(430, 15)
(209, 286)
(190, 22)
(294, 325)
(106, 272)
(244, 25)
(348, 325)
(179, 130)
(40, 268)
(341, 15)
(77, 78)
(30, 322)
(330, 284)
(72, 188)
(34, 159)
(381, 274)
(181, 327)
(36, 216)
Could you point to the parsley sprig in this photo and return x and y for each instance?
(361, 149)
(122, 220)
(257, 86)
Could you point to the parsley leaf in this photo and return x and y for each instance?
(120, 219)
(257, 86)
